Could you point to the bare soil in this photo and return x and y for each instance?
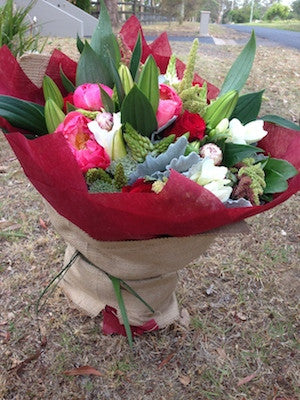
(238, 335)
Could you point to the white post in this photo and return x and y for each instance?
(204, 20)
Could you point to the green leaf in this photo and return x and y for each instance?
(103, 41)
(275, 182)
(23, 114)
(247, 107)
(148, 82)
(136, 58)
(137, 110)
(134, 293)
(70, 107)
(68, 85)
(234, 153)
(51, 91)
(283, 167)
(240, 69)
(91, 69)
(53, 115)
(275, 119)
(80, 44)
(107, 101)
(117, 289)
(117, 81)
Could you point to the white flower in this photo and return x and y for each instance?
(246, 134)
(219, 189)
(206, 174)
(105, 137)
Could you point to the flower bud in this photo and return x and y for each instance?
(212, 151)
(105, 120)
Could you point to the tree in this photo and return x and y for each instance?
(277, 10)
(296, 8)
(112, 8)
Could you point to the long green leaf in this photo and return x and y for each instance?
(137, 110)
(283, 167)
(107, 101)
(234, 153)
(247, 107)
(91, 69)
(117, 289)
(240, 69)
(148, 82)
(117, 81)
(68, 85)
(134, 293)
(23, 114)
(79, 44)
(275, 119)
(103, 41)
(136, 58)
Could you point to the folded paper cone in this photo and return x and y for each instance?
(148, 266)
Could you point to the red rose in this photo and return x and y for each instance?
(188, 122)
(139, 186)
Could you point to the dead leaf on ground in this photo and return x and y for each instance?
(185, 380)
(8, 225)
(43, 223)
(19, 367)
(3, 169)
(166, 360)
(246, 379)
(84, 370)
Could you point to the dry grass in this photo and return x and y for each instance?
(246, 327)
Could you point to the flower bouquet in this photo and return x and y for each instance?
(142, 163)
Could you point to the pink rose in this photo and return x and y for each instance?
(169, 105)
(88, 96)
(88, 153)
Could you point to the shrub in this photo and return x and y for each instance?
(16, 31)
(278, 11)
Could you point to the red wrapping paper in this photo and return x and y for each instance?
(182, 208)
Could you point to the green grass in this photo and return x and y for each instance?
(289, 25)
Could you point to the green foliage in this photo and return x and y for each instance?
(16, 31)
(85, 5)
(277, 10)
(296, 8)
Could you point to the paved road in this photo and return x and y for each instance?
(277, 36)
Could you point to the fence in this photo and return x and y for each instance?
(145, 13)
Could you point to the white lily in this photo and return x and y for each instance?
(212, 177)
(219, 189)
(205, 171)
(105, 137)
(246, 134)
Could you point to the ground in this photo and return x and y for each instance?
(237, 337)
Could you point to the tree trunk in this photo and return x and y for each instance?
(112, 8)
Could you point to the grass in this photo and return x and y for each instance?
(242, 340)
(289, 25)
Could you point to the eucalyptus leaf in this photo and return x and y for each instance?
(248, 107)
(275, 119)
(137, 110)
(91, 69)
(103, 41)
(23, 114)
(240, 69)
(68, 85)
(234, 153)
(136, 58)
(148, 82)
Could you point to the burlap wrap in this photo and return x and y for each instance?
(148, 266)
